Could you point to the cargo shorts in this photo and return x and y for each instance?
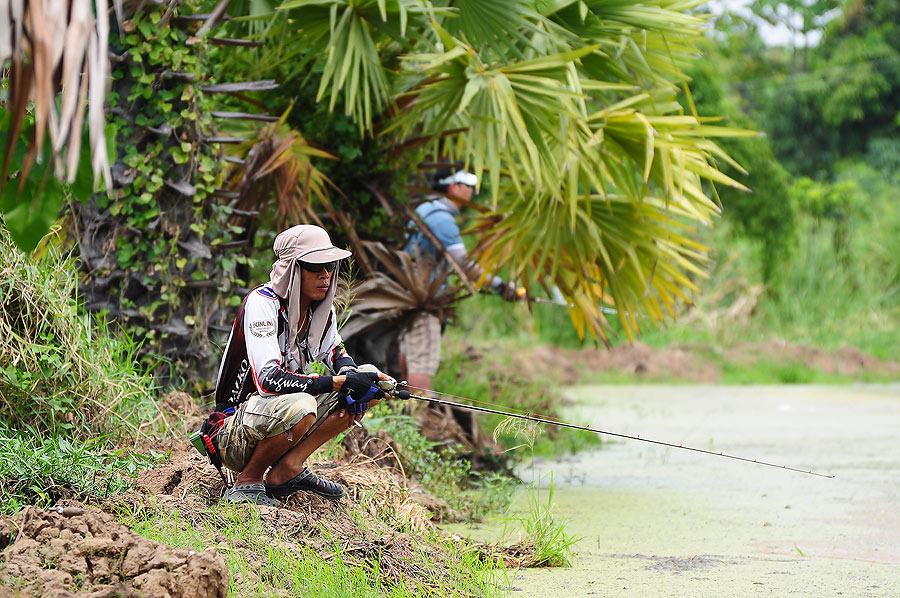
(264, 417)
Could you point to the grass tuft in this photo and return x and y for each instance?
(41, 470)
(544, 539)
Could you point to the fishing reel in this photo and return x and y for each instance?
(395, 389)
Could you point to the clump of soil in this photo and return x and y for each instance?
(373, 478)
(74, 552)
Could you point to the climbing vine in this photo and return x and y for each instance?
(159, 253)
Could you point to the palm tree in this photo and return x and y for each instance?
(564, 108)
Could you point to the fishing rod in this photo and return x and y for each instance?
(404, 394)
(605, 310)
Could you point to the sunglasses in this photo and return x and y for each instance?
(329, 266)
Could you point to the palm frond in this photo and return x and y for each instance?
(568, 110)
(405, 285)
(277, 164)
(39, 40)
(348, 36)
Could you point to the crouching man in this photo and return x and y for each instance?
(270, 414)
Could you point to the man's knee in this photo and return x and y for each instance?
(303, 425)
(297, 406)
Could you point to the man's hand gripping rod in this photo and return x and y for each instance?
(399, 391)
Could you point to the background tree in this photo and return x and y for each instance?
(767, 213)
(565, 109)
(844, 99)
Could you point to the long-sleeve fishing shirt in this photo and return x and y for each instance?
(258, 357)
(439, 215)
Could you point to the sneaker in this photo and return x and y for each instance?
(307, 481)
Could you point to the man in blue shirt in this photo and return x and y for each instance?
(420, 343)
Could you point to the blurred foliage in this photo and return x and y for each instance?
(767, 213)
(823, 176)
(52, 59)
(31, 198)
(843, 97)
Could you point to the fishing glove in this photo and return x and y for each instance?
(359, 388)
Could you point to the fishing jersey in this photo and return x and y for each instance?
(258, 356)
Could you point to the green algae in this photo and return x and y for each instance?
(657, 521)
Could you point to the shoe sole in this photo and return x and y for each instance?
(284, 495)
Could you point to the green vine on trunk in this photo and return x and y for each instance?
(158, 254)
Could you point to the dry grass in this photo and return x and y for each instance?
(58, 371)
(60, 55)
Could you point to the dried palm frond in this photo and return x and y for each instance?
(277, 168)
(41, 38)
(409, 284)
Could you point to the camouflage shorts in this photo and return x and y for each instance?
(258, 418)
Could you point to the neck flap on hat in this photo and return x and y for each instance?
(285, 278)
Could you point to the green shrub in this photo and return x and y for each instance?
(478, 368)
(442, 470)
(61, 372)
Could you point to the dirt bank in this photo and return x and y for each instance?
(77, 552)
(385, 521)
(691, 363)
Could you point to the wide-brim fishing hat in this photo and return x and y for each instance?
(308, 243)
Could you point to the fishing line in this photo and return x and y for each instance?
(403, 394)
(515, 410)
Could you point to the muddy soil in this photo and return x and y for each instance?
(687, 362)
(659, 521)
(82, 551)
(379, 502)
(77, 552)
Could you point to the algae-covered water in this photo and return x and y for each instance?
(657, 521)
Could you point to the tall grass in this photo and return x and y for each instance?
(60, 370)
(822, 298)
(840, 287)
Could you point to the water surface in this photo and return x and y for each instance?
(658, 521)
